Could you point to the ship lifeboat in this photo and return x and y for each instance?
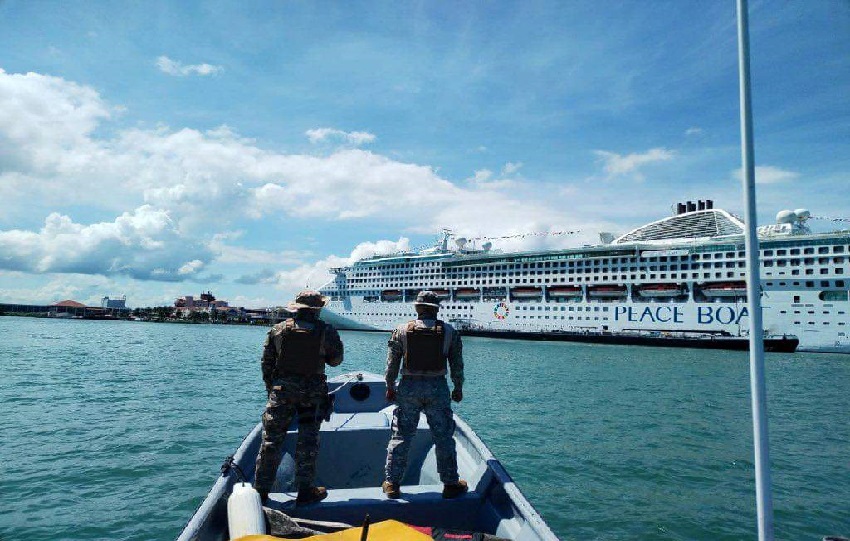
(725, 289)
(526, 292)
(493, 293)
(661, 290)
(467, 293)
(391, 295)
(559, 292)
(607, 292)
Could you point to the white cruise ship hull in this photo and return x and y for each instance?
(692, 319)
(644, 282)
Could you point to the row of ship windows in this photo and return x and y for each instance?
(563, 308)
(824, 295)
(840, 323)
(684, 275)
(571, 318)
(811, 312)
(431, 267)
(548, 276)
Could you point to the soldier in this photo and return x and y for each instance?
(294, 358)
(425, 344)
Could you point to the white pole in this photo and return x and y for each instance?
(764, 503)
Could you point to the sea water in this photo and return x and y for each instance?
(116, 430)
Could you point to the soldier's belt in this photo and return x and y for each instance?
(299, 375)
(422, 376)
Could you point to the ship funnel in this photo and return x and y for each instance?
(700, 205)
(709, 204)
(691, 206)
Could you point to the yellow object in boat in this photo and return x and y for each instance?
(387, 530)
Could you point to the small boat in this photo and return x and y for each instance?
(608, 291)
(558, 292)
(661, 290)
(725, 289)
(526, 292)
(467, 293)
(351, 466)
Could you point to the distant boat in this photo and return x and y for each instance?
(351, 466)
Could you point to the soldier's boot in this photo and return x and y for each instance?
(311, 495)
(391, 490)
(453, 490)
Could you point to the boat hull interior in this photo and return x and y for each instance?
(351, 466)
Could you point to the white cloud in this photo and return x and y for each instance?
(616, 165)
(694, 131)
(43, 119)
(140, 244)
(768, 174)
(381, 247)
(355, 138)
(178, 69)
(191, 267)
(316, 274)
(481, 176)
(511, 168)
(188, 176)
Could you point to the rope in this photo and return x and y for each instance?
(230, 464)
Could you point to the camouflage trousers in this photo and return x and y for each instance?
(430, 395)
(301, 395)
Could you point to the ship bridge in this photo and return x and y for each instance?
(701, 224)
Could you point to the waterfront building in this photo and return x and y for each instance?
(118, 303)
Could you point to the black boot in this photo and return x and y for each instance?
(311, 495)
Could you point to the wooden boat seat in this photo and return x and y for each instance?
(419, 505)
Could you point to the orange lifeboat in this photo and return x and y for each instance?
(557, 292)
(725, 289)
(526, 292)
(661, 290)
(467, 293)
(607, 291)
(389, 295)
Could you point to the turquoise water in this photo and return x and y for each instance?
(116, 430)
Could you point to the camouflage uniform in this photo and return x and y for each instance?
(423, 391)
(291, 394)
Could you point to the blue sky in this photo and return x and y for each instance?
(159, 149)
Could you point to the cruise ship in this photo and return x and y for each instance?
(681, 276)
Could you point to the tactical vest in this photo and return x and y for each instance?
(300, 350)
(424, 352)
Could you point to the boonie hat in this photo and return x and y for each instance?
(308, 299)
(427, 298)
